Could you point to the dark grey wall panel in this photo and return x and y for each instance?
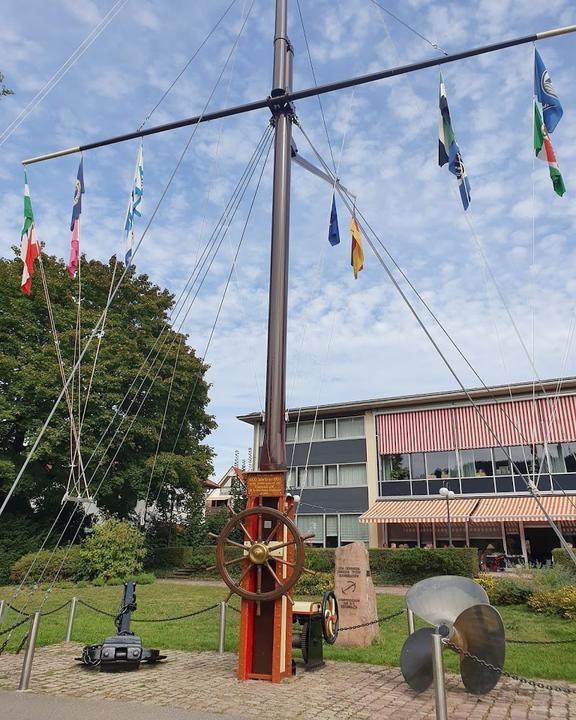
(327, 452)
(317, 501)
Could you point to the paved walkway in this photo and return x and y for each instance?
(206, 683)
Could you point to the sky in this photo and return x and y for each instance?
(501, 278)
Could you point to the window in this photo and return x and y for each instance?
(331, 531)
(551, 458)
(308, 431)
(351, 530)
(291, 432)
(291, 478)
(353, 475)
(331, 475)
(476, 463)
(441, 464)
(312, 524)
(351, 427)
(522, 459)
(329, 429)
(310, 477)
(418, 466)
(569, 452)
(501, 462)
(395, 467)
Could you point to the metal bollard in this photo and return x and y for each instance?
(2, 608)
(222, 628)
(410, 616)
(29, 654)
(439, 686)
(71, 616)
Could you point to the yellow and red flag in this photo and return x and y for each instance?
(357, 255)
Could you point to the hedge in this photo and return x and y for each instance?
(45, 564)
(398, 565)
(563, 560)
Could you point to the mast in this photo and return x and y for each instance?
(273, 456)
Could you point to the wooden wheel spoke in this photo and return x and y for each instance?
(271, 533)
(272, 572)
(234, 544)
(234, 561)
(293, 565)
(259, 579)
(246, 533)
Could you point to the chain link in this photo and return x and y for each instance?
(149, 620)
(512, 676)
(372, 622)
(541, 642)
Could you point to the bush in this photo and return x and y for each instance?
(409, 565)
(552, 578)
(19, 535)
(45, 566)
(314, 585)
(113, 549)
(559, 602)
(506, 590)
(144, 578)
(562, 560)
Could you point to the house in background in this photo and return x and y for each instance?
(373, 470)
(219, 494)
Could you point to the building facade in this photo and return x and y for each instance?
(372, 471)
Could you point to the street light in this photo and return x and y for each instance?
(449, 495)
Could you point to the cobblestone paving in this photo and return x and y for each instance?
(206, 682)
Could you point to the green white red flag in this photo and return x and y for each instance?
(29, 248)
(545, 151)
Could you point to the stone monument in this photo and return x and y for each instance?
(356, 595)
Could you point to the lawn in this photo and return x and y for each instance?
(201, 632)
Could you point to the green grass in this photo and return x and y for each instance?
(201, 632)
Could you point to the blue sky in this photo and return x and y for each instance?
(347, 339)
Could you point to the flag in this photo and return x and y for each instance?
(134, 205)
(544, 91)
(357, 255)
(75, 222)
(545, 151)
(29, 248)
(333, 231)
(448, 150)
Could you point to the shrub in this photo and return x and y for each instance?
(506, 590)
(409, 565)
(112, 549)
(314, 585)
(144, 578)
(19, 535)
(552, 578)
(563, 560)
(560, 602)
(63, 563)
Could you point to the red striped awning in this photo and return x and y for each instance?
(419, 511)
(525, 509)
(521, 422)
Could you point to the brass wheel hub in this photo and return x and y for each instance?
(258, 553)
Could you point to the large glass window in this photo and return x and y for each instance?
(310, 477)
(395, 467)
(418, 466)
(551, 458)
(569, 452)
(441, 464)
(329, 429)
(331, 474)
(351, 427)
(501, 462)
(522, 459)
(476, 463)
(310, 430)
(351, 530)
(312, 524)
(353, 474)
(291, 432)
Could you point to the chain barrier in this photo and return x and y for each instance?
(55, 610)
(512, 676)
(373, 622)
(231, 607)
(14, 626)
(148, 620)
(542, 642)
(17, 610)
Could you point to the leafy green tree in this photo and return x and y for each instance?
(196, 533)
(30, 381)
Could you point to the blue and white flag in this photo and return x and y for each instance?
(134, 205)
(333, 231)
(546, 94)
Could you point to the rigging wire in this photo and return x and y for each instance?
(98, 325)
(530, 486)
(62, 70)
(315, 82)
(409, 27)
(253, 165)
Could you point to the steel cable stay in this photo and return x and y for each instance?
(98, 326)
(529, 485)
(239, 189)
(219, 310)
(110, 465)
(433, 45)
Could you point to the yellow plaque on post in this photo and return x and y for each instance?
(265, 484)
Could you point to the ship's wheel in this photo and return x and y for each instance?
(267, 533)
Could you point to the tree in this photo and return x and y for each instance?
(3, 89)
(30, 382)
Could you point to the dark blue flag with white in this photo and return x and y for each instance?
(546, 94)
(333, 232)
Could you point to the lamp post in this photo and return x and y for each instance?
(449, 495)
